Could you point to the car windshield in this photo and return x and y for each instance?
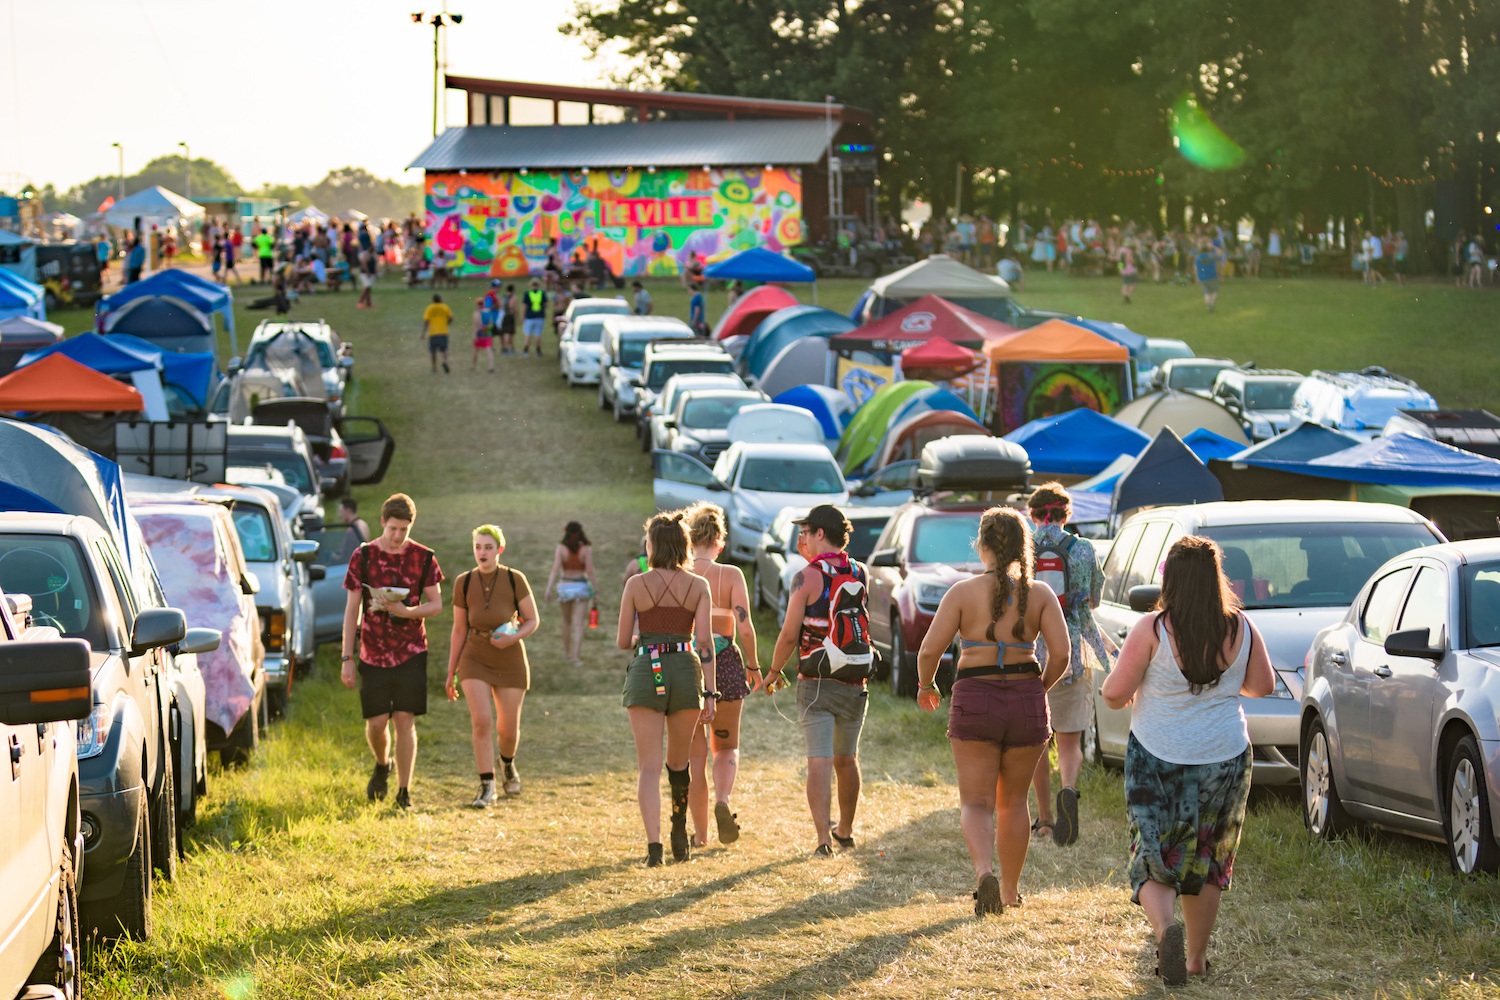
(257, 537)
(587, 332)
(50, 569)
(791, 475)
(1482, 604)
(945, 539)
(1152, 355)
(616, 307)
(632, 353)
(713, 414)
(1194, 376)
(291, 466)
(1309, 565)
(1263, 394)
(866, 533)
(663, 370)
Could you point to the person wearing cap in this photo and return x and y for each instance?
(831, 711)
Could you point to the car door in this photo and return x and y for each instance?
(1133, 561)
(336, 545)
(26, 861)
(370, 448)
(680, 480)
(1406, 692)
(1361, 750)
(885, 579)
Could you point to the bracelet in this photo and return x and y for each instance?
(927, 687)
(711, 694)
(345, 659)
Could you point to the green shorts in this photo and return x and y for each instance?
(680, 674)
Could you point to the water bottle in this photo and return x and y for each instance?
(594, 617)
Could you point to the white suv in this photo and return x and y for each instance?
(1358, 403)
(622, 353)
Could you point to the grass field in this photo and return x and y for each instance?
(296, 887)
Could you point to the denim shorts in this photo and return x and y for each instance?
(832, 714)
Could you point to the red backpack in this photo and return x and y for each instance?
(846, 649)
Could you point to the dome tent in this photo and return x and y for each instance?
(166, 322)
(782, 327)
(752, 307)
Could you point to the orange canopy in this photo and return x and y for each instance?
(58, 384)
(1055, 340)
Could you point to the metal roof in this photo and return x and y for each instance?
(784, 142)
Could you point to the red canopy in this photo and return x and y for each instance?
(58, 384)
(928, 318)
(938, 359)
(752, 307)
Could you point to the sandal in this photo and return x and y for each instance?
(1066, 832)
(1038, 824)
(1171, 957)
(845, 843)
(729, 830)
(987, 896)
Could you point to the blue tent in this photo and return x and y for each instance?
(1118, 332)
(832, 407)
(1206, 445)
(1167, 472)
(166, 322)
(206, 296)
(19, 297)
(1090, 507)
(1398, 460)
(110, 355)
(782, 327)
(193, 372)
(933, 398)
(858, 312)
(760, 264)
(1302, 443)
(1079, 442)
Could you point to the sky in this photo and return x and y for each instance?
(276, 91)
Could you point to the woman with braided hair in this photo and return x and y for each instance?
(998, 725)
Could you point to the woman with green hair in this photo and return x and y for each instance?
(493, 613)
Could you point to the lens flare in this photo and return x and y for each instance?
(1199, 140)
(240, 987)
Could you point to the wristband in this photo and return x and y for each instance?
(927, 687)
(711, 694)
(345, 659)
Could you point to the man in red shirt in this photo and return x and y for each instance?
(387, 640)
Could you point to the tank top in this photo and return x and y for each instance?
(1180, 727)
(719, 613)
(663, 618)
(573, 561)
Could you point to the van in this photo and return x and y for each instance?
(622, 353)
(1358, 403)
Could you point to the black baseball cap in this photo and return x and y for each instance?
(828, 517)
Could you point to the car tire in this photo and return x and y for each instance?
(243, 742)
(760, 595)
(903, 666)
(1322, 809)
(1091, 752)
(61, 965)
(129, 913)
(1471, 836)
(276, 700)
(164, 826)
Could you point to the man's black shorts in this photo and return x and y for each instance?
(383, 690)
(437, 343)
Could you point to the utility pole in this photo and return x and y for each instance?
(187, 155)
(122, 168)
(439, 21)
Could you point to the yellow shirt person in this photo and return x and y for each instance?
(436, 319)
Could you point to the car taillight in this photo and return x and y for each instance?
(273, 630)
(338, 451)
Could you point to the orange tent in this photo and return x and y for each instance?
(58, 384)
(1055, 340)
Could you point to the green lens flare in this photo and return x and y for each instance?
(240, 987)
(1199, 140)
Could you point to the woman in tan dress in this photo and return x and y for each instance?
(492, 666)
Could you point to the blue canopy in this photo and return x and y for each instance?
(782, 327)
(1090, 507)
(110, 355)
(830, 406)
(1167, 472)
(1206, 445)
(192, 372)
(1302, 443)
(1398, 460)
(760, 264)
(206, 296)
(166, 322)
(1118, 332)
(1079, 442)
(19, 297)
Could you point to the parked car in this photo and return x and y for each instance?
(1295, 565)
(578, 348)
(336, 543)
(78, 583)
(285, 449)
(676, 365)
(590, 306)
(330, 457)
(44, 690)
(1358, 403)
(1151, 356)
(1260, 397)
(309, 345)
(697, 422)
(777, 559)
(1400, 722)
(1194, 375)
(890, 486)
(752, 482)
(622, 352)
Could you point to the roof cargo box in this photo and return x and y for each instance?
(974, 462)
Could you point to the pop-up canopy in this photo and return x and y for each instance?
(938, 360)
(58, 384)
(1056, 340)
(760, 264)
(153, 205)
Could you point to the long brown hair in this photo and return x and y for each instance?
(1203, 610)
(1003, 531)
(573, 537)
(668, 537)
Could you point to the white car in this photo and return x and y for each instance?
(590, 306)
(622, 354)
(1358, 403)
(752, 481)
(665, 404)
(578, 350)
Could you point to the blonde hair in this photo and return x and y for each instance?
(706, 524)
(1003, 531)
(491, 530)
(667, 541)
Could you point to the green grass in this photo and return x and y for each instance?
(295, 887)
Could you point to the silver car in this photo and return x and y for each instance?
(1401, 715)
(1295, 565)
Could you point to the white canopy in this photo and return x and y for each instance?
(942, 276)
(308, 214)
(154, 204)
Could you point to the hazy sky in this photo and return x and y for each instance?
(275, 90)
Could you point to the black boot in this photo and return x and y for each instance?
(653, 854)
(679, 782)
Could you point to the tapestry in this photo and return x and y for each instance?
(1032, 389)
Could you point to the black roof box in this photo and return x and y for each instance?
(974, 462)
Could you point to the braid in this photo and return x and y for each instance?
(1023, 587)
(1003, 532)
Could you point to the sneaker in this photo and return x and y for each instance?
(377, 787)
(403, 798)
(653, 855)
(486, 795)
(512, 780)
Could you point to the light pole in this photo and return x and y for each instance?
(187, 156)
(122, 168)
(438, 21)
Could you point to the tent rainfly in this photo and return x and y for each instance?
(755, 305)
(154, 204)
(206, 296)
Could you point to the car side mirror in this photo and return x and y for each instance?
(200, 640)
(326, 484)
(234, 365)
(668, 422)
(316, 573)
(889, 558)
(1415, 642)
(249, 584)
(310, 521)
(775, 549)
(865, 489)
(304, 550)
(156, 627)
(1143, 598)
(44, 682)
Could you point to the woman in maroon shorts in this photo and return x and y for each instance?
(998, 725)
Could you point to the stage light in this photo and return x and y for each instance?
(416, 18)
(457, 18)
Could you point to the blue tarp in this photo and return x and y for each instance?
(1302, 443)
(760, 264)
(110, 355)
(193, 372)
(1092, 507)
(167, 323)
(782, 327)
(1206, 445)
(1118, 332)
(1078, 443)
(200, 293)
(1167, 472)
(19, 297)
(830, 406)
(1398, 460)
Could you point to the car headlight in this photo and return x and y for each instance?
(1281, 690)
(749, 520)
(93, 731)
(931, 594)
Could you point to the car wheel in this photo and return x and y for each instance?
(276, 699)
(129, 913)
(60, 964)
(1322, 809)
(164, 826)
(903, 670)
(1471, 838)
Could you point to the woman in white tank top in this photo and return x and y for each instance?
(1187, 763)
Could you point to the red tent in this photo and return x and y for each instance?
(928, 318)
(752, 307)
(937, 360)
(58, 384)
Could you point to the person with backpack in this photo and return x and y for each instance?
(493, 613)
(1069, 565)
(998, 723)
(385, 640)
(828, 626)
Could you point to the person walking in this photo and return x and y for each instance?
(493, 613)
(508, 307)
(265, 254)
(669, 684)
(831, 702)
(1129, 272)
(483, 342)
(698, 311)
(1187, 760)
(1070, 567)
(231, 255)
(369, 270)
(349, 514)
(534, 317)
(436, 319)
(1206, 271)
(135, 261)
(576, 588)
(998, 725)
(385, 641)
(736, 674)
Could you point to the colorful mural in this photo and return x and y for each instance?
(1032, 389)
(643, 223)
